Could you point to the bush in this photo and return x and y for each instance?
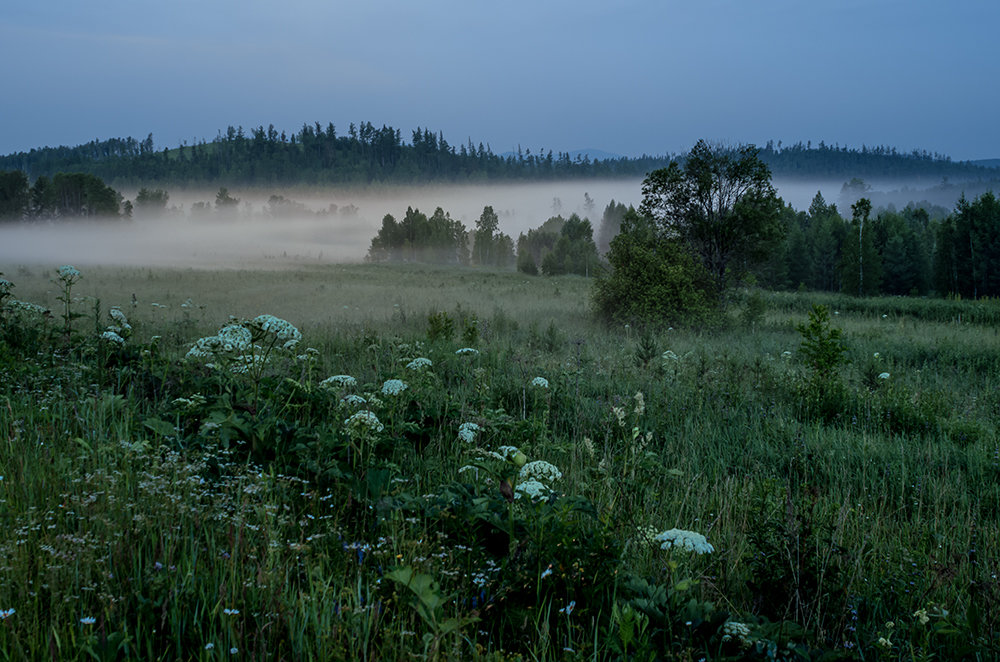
(652, 280)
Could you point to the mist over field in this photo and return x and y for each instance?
(185, 236)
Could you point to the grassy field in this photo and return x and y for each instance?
(236, 502)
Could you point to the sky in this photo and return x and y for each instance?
(629, 77)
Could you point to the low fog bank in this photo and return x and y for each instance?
(303, 226)
(323, 226)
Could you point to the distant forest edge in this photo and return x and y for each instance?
(367, 155)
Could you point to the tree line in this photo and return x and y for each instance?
(366, 154)
(64, 195)
(558, 246)
(715, 220)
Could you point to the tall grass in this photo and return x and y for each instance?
(156, 508)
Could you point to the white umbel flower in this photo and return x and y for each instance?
(467, 432)
(532, 489)
(282, 329)
(363, 422)
(339, 381)
(393, 387)
(540, 470)
(687, 540)
(419, 364)
(112, 337)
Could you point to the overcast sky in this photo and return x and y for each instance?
(628, 76)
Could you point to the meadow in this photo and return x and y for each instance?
(379, 462)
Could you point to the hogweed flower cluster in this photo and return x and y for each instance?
(686, 540)
(69, 274)
(339, 381)
(363, 423)
(532, 489)
(739, 631)
(467, 351)
(540, 470)
(119, 329)
(540, 382)
(393, 387)
(353, 400)
(282, 329)
(419, 364)
(234, 338)
(112, 337)
(467, 432)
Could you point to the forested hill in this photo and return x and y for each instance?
(366, 155)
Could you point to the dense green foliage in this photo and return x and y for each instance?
(65, 195)
(720, 204)
(651, 279)
(902, 252)
(164, 503)
(558, 246)
(417, 238)
(968, 249)
(491, 247)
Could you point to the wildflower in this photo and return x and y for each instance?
(588, 445)
(735, 630)
(884, 643)
(341, 381)
(547, 572)
(640, 403)
(6, 613)
(670, 356)
(121, 325)
(467, 432)
(283, 329)
(619, 413)
(467, 351)
(209, 646)
(230, 612)
(540, 469)
(234, 650)
(363, 422)
(689, 540)
(786, 354)
(921, 615)
(353, 400)
(393, 387)
(532, 488)
(883, 375)
(419, 363)
(88, 620)
(69, 272)
(112, 337)
(234, 338)
(5, 287)
(568, 609)
(875, 355)
(540, 382)
(27, 307)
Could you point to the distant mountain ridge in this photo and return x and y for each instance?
(317, 155)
